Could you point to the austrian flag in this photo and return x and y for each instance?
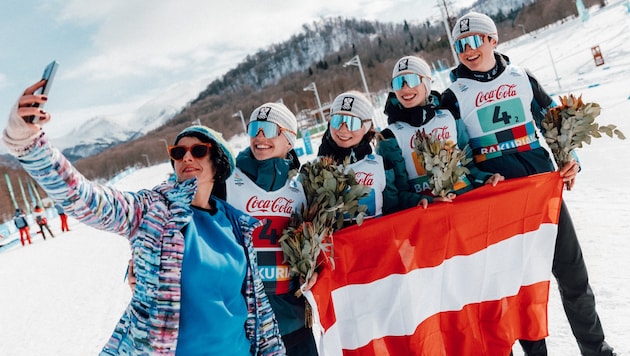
(464, 278)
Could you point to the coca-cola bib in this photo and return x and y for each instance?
(274, 210)
(370, 172)
(497, 114)
(441, 127)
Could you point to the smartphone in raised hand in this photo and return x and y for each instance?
(48, 75)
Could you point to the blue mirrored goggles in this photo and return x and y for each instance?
(412, 80)
(268, 128)
(474, 41)
(353, 123)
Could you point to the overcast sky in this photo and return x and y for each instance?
(116, 54)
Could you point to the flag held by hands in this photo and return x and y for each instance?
(463, 278)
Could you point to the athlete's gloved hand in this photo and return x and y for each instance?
(19, 134)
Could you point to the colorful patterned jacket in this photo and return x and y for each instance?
(152, 220)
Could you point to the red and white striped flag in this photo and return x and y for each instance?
(464, 278)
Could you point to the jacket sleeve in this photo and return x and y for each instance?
(396, 173)
(97, 205)
(261, 326)
(390, 194)
(449, 102)
(541, 103)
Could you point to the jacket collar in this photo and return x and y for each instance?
(179, 197)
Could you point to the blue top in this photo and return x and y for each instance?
(213, 309)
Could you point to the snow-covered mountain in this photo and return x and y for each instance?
(101, 132)
(94, 136)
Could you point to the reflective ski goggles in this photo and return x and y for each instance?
(269, 129)
(353, 123)
(198, 150)
(412, 80)
(474, 41)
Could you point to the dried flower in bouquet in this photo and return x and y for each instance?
(331, 197)
(443, 161)
(571, 124)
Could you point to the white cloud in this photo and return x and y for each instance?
(123, 50)
(135, 38)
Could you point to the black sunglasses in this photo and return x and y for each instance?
(198, 150)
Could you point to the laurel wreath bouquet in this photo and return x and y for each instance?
(443, 161)
(571, 124)
(331, 197)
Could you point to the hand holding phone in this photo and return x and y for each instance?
(48, 76)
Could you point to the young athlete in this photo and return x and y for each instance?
(261, 187)
(501, 105)
(349, 137)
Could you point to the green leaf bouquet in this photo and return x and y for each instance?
(571, 124)
(442, 160)
(332, 196)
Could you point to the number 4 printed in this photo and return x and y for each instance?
(268, 233)
(500, 116)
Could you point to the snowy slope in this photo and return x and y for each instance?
(63, 296)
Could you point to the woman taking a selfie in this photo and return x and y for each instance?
(198, 290)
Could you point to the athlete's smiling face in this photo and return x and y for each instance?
(479, 59)
(411, 97)
(345, 138)
(263, 147)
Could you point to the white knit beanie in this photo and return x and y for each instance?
(475, 22)
(280, 115)
(353, 103)
(415, 65)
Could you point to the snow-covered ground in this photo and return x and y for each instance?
(63, 296)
